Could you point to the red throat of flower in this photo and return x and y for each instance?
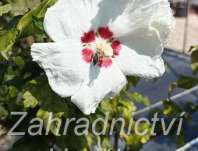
(100, 47)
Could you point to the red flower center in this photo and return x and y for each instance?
(100, 47)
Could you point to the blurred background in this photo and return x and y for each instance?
(185, 35)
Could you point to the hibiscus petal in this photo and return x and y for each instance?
(145, 42)
(151, 37)
(107, 81)
(139, 14)
(143, 25)
(64, 65)
(69, 18)
(132, 63)
(108, 11)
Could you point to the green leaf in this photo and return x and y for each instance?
(136, 97)
(171, 108)
(132, 81)
(106, 143)
(107, 106)
(126, 108)
(3, 112)
(19, 61)
(24, 26)
(29, 100)
(180, 139)
(47, 99)
(38, 24)
(133, 142)
(127, 105)
(45, 115)
(5, 9)
(39, 12)
(12, 91)
(20, 7)
(186, 82)
(7, 40)
(194, 64)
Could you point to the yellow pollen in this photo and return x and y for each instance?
(104, 48)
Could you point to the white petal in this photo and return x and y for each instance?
(63, 64)
(144, 25)
(70, 18)
(142, 14)
(145, 42)
(108, 11)
(132, 63)
(105, 81)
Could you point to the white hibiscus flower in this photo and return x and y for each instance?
(99, 42)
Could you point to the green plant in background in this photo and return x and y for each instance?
(24, 87)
